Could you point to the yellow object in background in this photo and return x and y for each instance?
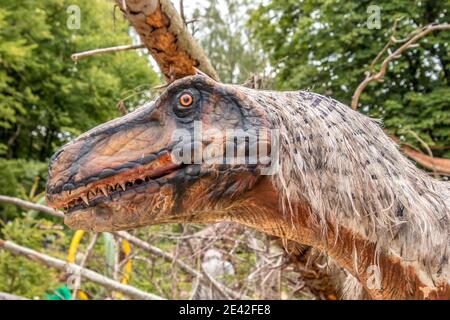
(71, 257)
(74, 244)
(127, 268)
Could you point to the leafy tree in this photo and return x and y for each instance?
(326, 46)
(17, 177)
(45, 98)
(21, 276)
(227, 42)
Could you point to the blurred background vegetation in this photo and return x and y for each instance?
(320, 45)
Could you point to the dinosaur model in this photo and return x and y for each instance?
(329, 178)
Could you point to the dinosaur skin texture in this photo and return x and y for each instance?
(124, 175)
(135, 153)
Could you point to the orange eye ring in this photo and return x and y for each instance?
(186, 100)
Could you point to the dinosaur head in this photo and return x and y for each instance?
(188, 156)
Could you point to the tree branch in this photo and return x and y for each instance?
(410, 43)
(183, 17)
(83, 262)
(8, 296)
(89, 53)
(436, 164)
(77, 270)
(440, 165)
(167, 38)
(183, 266)
(134, 240)
(31, 206)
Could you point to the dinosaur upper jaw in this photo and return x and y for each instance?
(122, 182)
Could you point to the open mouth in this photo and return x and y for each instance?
(119, 183)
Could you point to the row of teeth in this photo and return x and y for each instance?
(105, 190)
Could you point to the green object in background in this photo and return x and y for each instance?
(62, 293)
(110, 252)
(326, 46)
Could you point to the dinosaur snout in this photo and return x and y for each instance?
(62, 167)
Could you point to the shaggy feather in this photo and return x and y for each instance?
(352, 174)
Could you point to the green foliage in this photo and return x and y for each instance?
(326, 46)
(21, 276)
(45, 98)
(229, 45)
(16, 179)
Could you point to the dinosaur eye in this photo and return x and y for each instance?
(185, 104)
(186, 99)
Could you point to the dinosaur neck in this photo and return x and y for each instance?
(382, 274)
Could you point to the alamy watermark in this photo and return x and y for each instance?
(73, 21)
(227, 146)
(374, 19)
(74, 277)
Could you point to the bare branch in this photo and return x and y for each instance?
(427, 148)
(89, 53)
(77, 270)
(88, 253)
(438, 165)
(8, 296)
(410, 43)
(182, 12)
(429, 162)
(183, 266)
(31, 206)
(192, 21)
(392, 39)
(135, 241)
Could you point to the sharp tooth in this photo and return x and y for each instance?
(91, 194)
(103, 190)
(85, 199)
(122, 185)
